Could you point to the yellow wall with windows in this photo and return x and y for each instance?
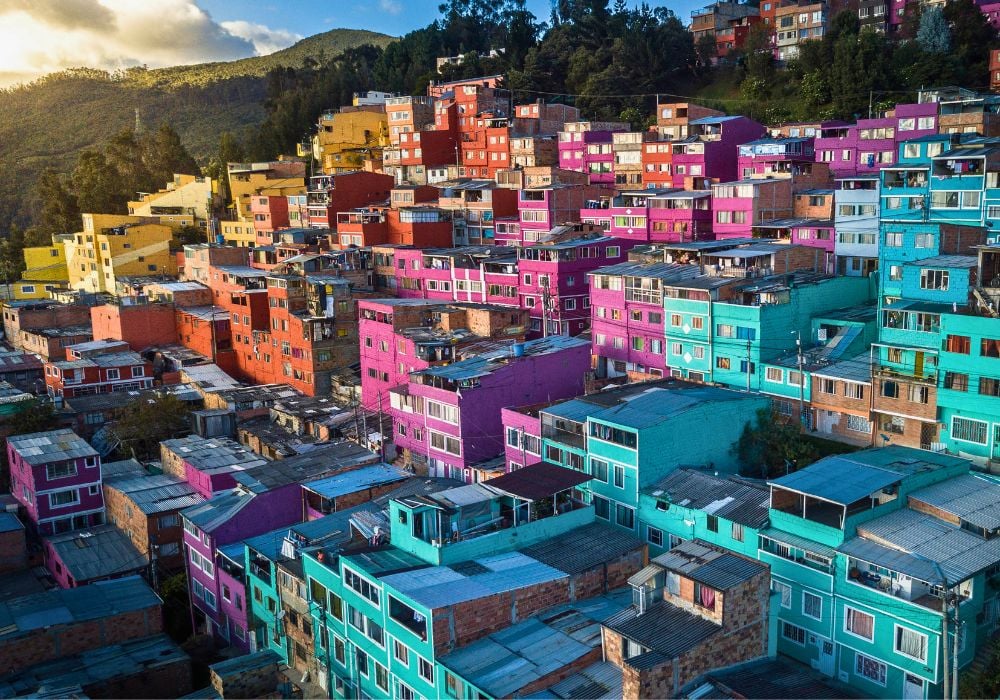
(344, 139)
(96, 257)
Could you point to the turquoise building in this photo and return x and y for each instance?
(629, 438)
(870, 554)
(463, 562)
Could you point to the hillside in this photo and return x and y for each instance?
(47, 123)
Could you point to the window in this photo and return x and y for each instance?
(401, 653)
(894, 240)
(737, 532)
(774, 374)
(60, 470)
(968, 430)
(445, 443)
(64, 498)
(956, 381)
(786, 592)
(624, 516)
(923, 240)
(599, 469)
(362, 662)
(712, 523)
(869, 668)
(425, 669)
(812, 605)
(988, 386)
(853, 390)
(961, 344)
(917, 393)
(381, 676)
(990, 347)
(722, 363)
(654, 536)
(827, 386)
(619, 476)
(361, 586)
(793, 633)
(404, 692)
(602, 508)
(911, 643)
(934, 279)
(858, 424)
(858, 623)
(890, 390)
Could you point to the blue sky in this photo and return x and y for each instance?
(395, 17)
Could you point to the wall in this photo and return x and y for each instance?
(141, 325)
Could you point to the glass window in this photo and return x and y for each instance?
(812, 605)
(911, 643)
(859, 623)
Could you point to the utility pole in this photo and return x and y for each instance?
(946, 677)
(955, 600)
(381, 432)
(546, 306)
(802, 382)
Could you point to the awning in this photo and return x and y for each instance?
(542, 480)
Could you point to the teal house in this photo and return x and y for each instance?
(879, 557)
(631, 437)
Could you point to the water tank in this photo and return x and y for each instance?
(517, 350)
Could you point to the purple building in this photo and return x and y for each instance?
(207, 464)
(542, 208)
(871, 144)
(522, 431)
(449, 417)
(56, 476)
(96, 554)
(709, 153)
(657, 215)
(265, 498)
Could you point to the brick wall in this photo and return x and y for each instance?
(247, 683)
(364, 496)
(61, 640)
(116, 505)
(902, 403)
(608, 576)
(172, 463)
(13, 553)
(959, 240)
(799, 258)
(927, 508)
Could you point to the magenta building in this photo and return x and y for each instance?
(541, 209)
(709, 153)
(738, 206)
(587, 147)
(871, 144)
(56, 477)
(554, 284)
(522, 430)
(775, 156)
(812, 233)
(664, 215)
(449, 417)
(627, 324)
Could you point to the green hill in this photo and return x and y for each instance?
(48, 122)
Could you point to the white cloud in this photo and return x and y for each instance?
(392, 7)
(42, 36)
(264, 39)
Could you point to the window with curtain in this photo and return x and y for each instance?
(704, 596)
(911, 643)
(860, 623)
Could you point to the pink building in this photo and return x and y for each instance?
(207, 464)
(449, 418)
(654, 215)
(522, 430)
(871, 144)
(709, 153)
(95, 554)
(56, 477)
(270, 213)
(400, 336)
(554, 287)
(739, 206)
(587, 148)
(542, 208)
(774, 157)
(627, 324)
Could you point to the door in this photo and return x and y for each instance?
(825, 662)
(996, 441)
(913, 687)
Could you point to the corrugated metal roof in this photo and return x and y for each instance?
(51, 446)
(958, 552)
(356, 480)
(599, 681)
(440, 586)
(740, 501)
(657, 404)
(661, 271)
(720, 570)
(771, 678)
(121, 468)
(214, 455)
(218, 510)
(90, 602)
(96, 552)
(856, 369)
(328, 530)
(798, 542)
(487, 363)
(538, 481)
(965, 262)
(969, 497)
(584, 548)
(506, 661)
(874, 553)
(839, 480)
(323, 460)
(663, 628)
(159, 493)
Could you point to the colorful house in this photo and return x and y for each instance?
(448, 417)
(56, 477)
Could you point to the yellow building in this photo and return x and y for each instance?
(346, 138)
(112, 246)
(45, 270)
(275, 178)
(187, 200)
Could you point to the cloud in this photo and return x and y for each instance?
(43, 36)
(391, 7)
(264, 39)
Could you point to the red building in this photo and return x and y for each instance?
(141, 325)
(331, 194)
(97, 367)
(270, 212)
(207, 331)
(423, 227)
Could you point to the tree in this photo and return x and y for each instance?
(934, 36)
(38, 417)
(143, 424)
(769, 449)
(164, 156)
(59, 211)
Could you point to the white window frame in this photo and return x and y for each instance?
(806, 595)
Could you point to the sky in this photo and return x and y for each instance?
(42, 36)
